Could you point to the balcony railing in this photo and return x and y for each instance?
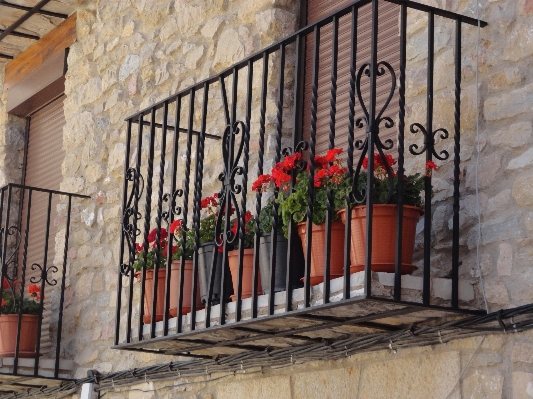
(203, 140)
(34, 243)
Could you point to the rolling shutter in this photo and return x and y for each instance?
(43, 170)
(388, 50)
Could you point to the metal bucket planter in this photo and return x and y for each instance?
(297, 264)
(205, 261)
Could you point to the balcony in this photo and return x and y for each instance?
(297, 99)
(35, 227)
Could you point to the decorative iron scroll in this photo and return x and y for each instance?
(130, 217)
(429, 139)
(43, 275)
(362, 145)
(229, 187)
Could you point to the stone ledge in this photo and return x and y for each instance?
(381, 285)
(46, 367)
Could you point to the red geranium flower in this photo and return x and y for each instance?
(319, 176)
(261, 181)
(175, 225)
(152, 236)
(430, 167)
(291, 160)
(331, 155)
(321, 162)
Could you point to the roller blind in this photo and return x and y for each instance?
(388, 50)
(43, 169)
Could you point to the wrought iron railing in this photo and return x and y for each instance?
(34, 243)
(257, 122)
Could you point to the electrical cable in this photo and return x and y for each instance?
(478, 151)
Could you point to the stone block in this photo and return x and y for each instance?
(522, 352)
(524, 160)
(480, 385)
(336, 383)
(505, 260)
(515, 136)
(487, 171)
(260, 388)
(508, 105)
(496, 293)
(424, 376)
(523, 190)
(504, 78)
(522, 385)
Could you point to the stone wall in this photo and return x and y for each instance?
(131, 54)
(500, 368)
(128, 56)
(11, 140)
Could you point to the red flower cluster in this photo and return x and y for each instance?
(247, 217)
(153, 235)
(262, 182)
(175, 227)
(328, 169)
(379, 162)
(430, 167)
(209, 202)
(35, 291)
(322, 162)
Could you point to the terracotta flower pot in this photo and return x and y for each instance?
(174, 291)
(247, 272)
(28, 335)
(318, 240)
(383, 237)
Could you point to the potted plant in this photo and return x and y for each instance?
(384, 217)
(11, 305)
(263, 184)
(210, 208)
(247, 258)
(329, 175)
(175, 228)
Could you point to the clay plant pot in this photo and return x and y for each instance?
(174, 291)
(296, 265)
(205, 261)
(247, 272)
(318, 239)
(28, 335)
(383, 237)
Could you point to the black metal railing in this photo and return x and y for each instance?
(34, 243)
(257, 120)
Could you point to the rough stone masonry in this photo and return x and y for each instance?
(130, 54)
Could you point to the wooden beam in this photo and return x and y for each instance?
(55, 41)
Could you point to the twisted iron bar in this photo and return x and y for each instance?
(130, 217)
(12, 260)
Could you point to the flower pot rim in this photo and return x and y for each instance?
(234, 252)
(421, 210)
(15, 315)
